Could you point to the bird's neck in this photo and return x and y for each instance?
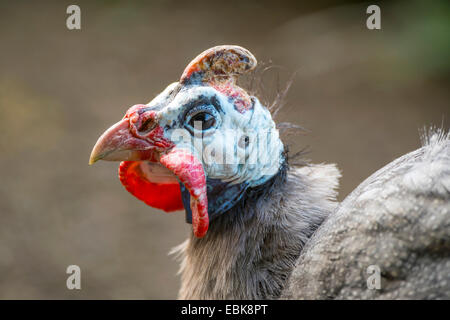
(250, 251)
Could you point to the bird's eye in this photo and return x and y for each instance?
(206, 119)
(202, 118)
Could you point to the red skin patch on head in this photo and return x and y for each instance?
(240, 97)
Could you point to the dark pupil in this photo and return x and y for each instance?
(205, 118)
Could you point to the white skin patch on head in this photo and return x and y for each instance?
(238, 147)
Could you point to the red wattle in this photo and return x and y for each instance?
(164, 196)
(189, 171)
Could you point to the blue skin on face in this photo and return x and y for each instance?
(222, 196)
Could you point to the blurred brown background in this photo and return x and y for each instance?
(363, 94)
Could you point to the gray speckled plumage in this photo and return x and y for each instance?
(399, 220)
(249, 251)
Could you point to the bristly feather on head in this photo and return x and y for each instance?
(265, 83)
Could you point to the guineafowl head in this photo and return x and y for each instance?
(200, 144)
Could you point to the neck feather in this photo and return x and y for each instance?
(250, 251)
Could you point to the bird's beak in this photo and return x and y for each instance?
(137, 149)
(118, 144)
